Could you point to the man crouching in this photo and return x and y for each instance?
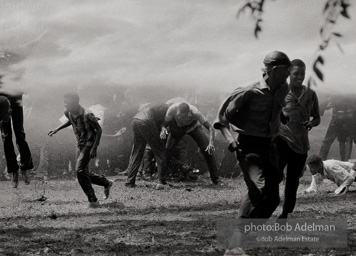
(339, 172)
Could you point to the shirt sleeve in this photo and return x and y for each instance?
(315, 112)
(169, 114)
(340, 173)
(230, 105)
(92, 119)
(197, 114)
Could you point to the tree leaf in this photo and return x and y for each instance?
(337, 34)
(327, 5)
(260, 6)
(340, 48)
(321, 30)
(324, 44)
(316, 70)
(345, 14)
(344, 7)
(258, 28)
(242, 9)
(320, 59)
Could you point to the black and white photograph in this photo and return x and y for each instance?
(178, 127)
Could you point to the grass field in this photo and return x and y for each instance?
(144, 221)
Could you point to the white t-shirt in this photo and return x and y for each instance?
(341, 173)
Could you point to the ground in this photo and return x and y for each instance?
(52, 218)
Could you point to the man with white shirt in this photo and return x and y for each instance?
(339, 172)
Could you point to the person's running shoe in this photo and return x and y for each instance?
(162, 185)
(15, 179)
(107, 189)
(94, 204)
(130, 185)
(25, 177)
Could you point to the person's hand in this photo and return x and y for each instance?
(210, 148)
(164, 133)
(308, 125)
(310, 190)
(121, 131)
(233, 146)
(93, 152)
(52, 132)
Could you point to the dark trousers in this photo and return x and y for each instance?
(16, 122)
(147, 133)
(295, 165)
(86, 178)
(148, 164)
(261, 176)
(201, 137)
(341, 129)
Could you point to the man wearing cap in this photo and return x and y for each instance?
(254, 111)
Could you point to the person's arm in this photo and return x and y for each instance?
(65, 125)
(164, 127)
(343, 176)
(326, 105)
(315, 114)
(344, 187)
(94, 123)
(230, 105)
(210, 148)
(315, 111)
(313, 188)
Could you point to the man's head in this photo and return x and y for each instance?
(183, 109)
(5, 109)
(315, 164)
(277, 66)
(71, 101)
(297, 72)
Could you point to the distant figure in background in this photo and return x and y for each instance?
(292, 142)
(16, 123)
(340, 127)
(88, 133)
(339, 172)
(181, 119)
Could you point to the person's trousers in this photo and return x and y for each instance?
(148, 164)
(295, 165)
(16, 123)
(341, 129)
(86, 178)
(201, 137)
(261, 176)
(145, 133)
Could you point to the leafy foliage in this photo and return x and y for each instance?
(331, 12)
